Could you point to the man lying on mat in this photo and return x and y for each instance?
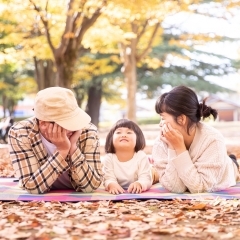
(188, 154)
(58, 148)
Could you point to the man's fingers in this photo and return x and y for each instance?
(53, 127)
(50, 128)
(59, 131)
(63, 132)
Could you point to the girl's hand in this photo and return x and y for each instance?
(115, 188)
(173, 138)
(135, 187)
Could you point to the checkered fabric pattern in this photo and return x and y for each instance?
(37, 170)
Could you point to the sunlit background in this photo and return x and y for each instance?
(118, 56)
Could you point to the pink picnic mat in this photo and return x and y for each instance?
(10, 191)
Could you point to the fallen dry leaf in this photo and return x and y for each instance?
(199, 206)
(166, 230)
(128, 217)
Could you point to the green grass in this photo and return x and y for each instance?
(140, 121)
(147, 121)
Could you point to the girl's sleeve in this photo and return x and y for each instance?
(108, 170)
(144, 172)
(163, 162)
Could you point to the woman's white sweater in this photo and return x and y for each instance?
(205, 167)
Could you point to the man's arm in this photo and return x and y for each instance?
(85, 163)
(36, 174)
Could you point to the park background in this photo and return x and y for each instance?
(118, 56)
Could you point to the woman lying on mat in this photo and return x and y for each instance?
(58, 148)
(190, 155)
(126, 166)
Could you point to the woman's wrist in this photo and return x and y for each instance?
(180, 150)
(170, 147)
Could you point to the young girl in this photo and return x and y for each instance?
(190, 155)
(126, 166)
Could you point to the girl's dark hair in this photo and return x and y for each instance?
(125, 123)
(183, 100)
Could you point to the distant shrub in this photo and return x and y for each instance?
(147, 121)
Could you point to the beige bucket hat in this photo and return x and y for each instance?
(59, 105)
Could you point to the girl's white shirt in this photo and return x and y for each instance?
(137, 169)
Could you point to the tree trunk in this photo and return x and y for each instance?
(130, 75)
(77, 24)
(130, 59)
(79, 93)
(44, 73)
(65, 67)
(64, 76)
(131, 80)
(11, 106)
(94, 102)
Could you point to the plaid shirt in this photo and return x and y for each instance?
(37, 171)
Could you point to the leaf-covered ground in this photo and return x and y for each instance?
(152, 219)
(6, 169)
